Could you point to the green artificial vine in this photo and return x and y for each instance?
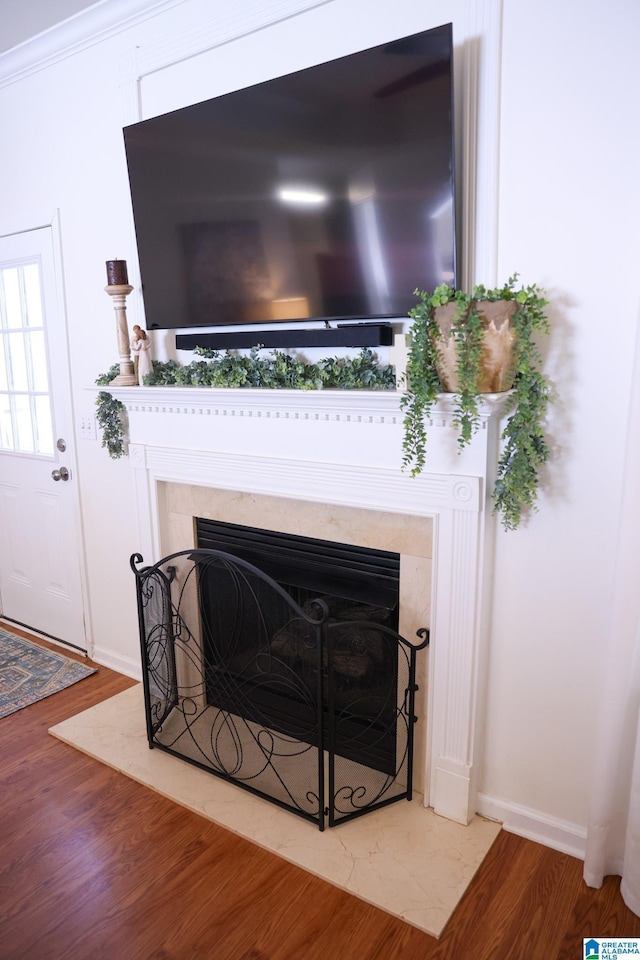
(525, 447)
(467, 333)
(423, 383)
(276, 370)
(111, 416)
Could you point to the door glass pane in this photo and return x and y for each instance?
(4, 377)
(26, 417)
(32, 294)
(18, 362)
(23, 424)
(38, 361)
(6, 427)
(12, 306)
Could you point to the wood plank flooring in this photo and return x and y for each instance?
(94, 866)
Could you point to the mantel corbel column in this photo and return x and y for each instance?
(457, 652)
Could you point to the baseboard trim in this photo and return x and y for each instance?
(125, 665)
(560, 835)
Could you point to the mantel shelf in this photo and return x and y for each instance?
(383, 406)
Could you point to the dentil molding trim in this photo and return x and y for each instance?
(350, 406)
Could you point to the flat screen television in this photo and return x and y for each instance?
(326, 194)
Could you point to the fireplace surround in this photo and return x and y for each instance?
(330, 462)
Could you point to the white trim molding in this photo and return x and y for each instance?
(128, 666)
(478, 84)
(345, 406)
(525, 822)
(86, 28)
(227, 23)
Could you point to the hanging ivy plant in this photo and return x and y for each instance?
(276, 370)
(111, 416)
(525, 447)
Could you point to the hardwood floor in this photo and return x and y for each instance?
(94, 866)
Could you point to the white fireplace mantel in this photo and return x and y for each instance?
(307, 404)
(345, 447)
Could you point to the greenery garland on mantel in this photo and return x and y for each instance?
(524, 446)
(274, 371)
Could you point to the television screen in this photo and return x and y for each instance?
(326, 194)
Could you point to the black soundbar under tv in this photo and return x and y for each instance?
(343, 335)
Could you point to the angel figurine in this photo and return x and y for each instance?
(140, 348)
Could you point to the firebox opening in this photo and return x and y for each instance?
(360, 586)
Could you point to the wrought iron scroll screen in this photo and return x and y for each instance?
(283, 700)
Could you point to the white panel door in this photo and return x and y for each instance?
(40, 581)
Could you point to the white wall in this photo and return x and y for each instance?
(569, 216)
(569, 205)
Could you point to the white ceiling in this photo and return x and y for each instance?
(22, 19)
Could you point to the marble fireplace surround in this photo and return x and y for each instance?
(327, 464)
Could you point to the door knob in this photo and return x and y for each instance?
(61, 474)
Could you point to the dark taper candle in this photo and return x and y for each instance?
(117, 272)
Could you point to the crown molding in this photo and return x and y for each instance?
(98, 22)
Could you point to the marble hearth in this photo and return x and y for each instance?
(403, 859)
(327, 464)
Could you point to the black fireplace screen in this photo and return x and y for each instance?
(310, 705)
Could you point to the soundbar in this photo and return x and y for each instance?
(343, 335)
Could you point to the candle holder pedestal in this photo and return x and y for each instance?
(119, 293)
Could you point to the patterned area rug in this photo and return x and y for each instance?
(29, 673)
